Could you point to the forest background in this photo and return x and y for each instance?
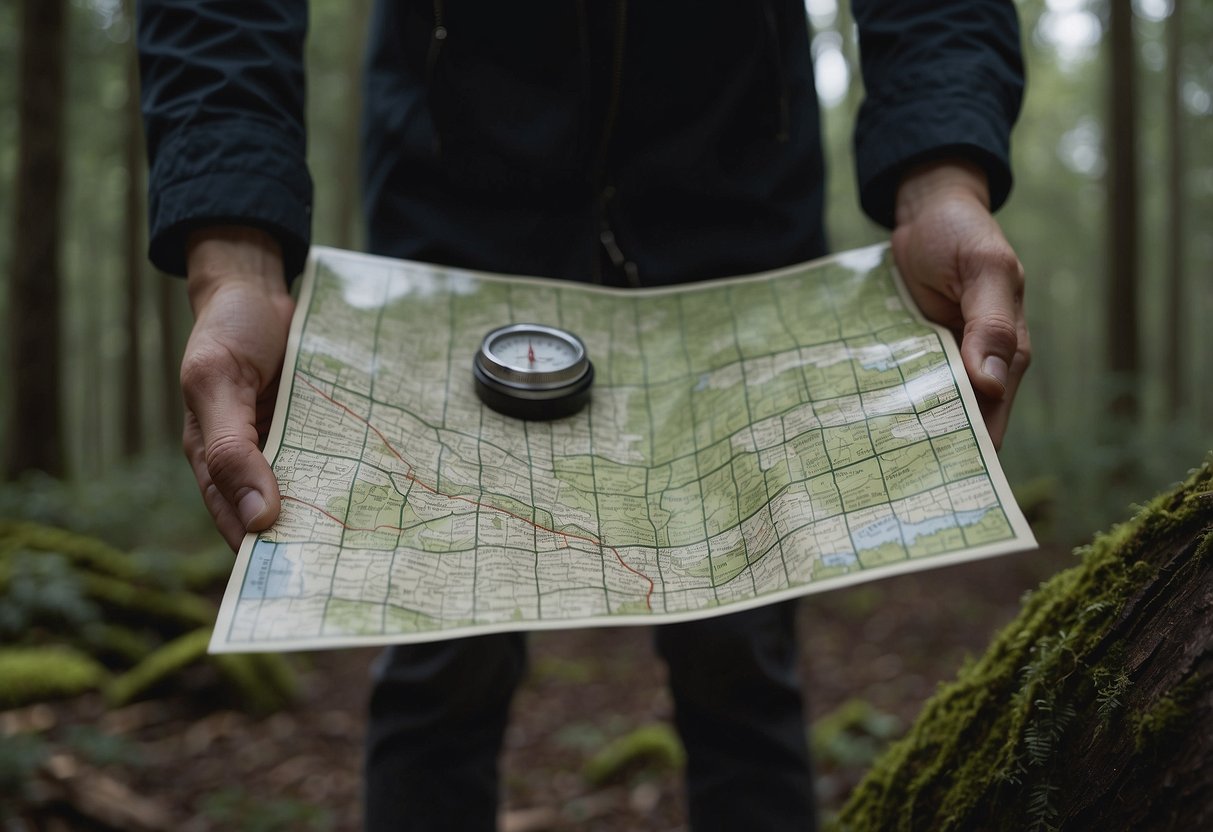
(1111, 215)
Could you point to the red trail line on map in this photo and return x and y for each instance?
(411, 477)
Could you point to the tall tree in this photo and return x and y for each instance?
(1123, 352)
(349, 136)
(133, 256)
(36, 437)
(1173, 354)
(170, 295)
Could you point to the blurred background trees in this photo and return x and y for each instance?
(1110, 215)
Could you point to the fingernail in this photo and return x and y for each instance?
(995, 368)
(251, 506)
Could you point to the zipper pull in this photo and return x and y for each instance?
(618, 259)
(612, 246)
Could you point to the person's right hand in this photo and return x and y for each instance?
(229, 376)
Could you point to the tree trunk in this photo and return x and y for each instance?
(133, 254)
(850, 52)
(171, 297)
(348, 213)
(1092, 710)
(36, 440)
(1173, 358)
(1121, 336)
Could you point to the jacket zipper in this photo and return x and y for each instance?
(782, 100)
(437, 39)
(604, 192)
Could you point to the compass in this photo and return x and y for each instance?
(532, 371)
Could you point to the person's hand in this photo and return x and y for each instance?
(229, 376)
(963, 274)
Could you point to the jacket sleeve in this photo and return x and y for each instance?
(942, 78)
(223, 95)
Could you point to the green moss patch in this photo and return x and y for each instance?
(35, 674)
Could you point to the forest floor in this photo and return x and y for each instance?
(177, 762)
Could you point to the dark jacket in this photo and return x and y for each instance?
(626, 142)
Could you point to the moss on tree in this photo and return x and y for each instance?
(1072, 718)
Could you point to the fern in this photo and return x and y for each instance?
(1109, 691)
(1042, 812)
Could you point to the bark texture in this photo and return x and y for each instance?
(1092, 710)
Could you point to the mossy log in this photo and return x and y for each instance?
(106, 575)
(656, 746)
(80, 549)
(122, 614)
(264, 681)
(34, 674)
(1092, 710)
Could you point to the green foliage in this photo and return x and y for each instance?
(653, 747)
(1167, 716)
(82, 550)
(1111, 683)
(852, 735)
(239, 811)
(40, 588)
(101, 749)
(170, 609)
(118, 644)
(159, 665)
(193, 570)
(34, 674)
(88, 616)
(264, 681)
(152, 503)
(1070, 478)
(20, 757)
(75, 592)
(576, 671)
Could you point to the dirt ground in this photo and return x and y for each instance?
(179, 763)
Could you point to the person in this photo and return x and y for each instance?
(624, 143)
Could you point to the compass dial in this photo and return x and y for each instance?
(532, 371)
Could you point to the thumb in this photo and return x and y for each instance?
(225, 410)
(992, 305)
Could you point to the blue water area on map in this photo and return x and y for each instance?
(970, 518)
(885, 530)
(839, 559)
(267, 576)
(913, 531)
(890, 530)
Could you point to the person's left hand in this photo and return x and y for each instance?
(963, 274)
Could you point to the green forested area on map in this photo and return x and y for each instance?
(1112, 216)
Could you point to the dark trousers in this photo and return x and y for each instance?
(438, 714)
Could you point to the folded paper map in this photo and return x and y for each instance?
(746, 440)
